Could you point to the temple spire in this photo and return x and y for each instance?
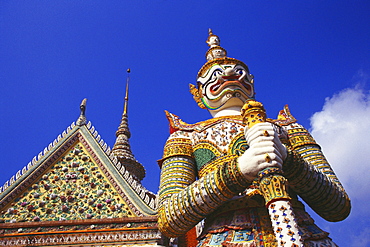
(121, 148)
(126, 96)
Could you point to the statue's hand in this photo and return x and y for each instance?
(265, 150)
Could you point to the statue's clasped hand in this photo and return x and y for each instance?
(265, 150)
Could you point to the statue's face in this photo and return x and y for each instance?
(225, 85)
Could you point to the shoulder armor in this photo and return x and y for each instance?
(177, 124)
(297, 135)
(284, 117)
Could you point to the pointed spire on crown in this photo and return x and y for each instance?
(121, 148)
(215, 50)
(213, 40)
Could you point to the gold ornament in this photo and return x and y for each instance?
(196, 95)
(268, 158)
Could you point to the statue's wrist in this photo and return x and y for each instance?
(293, 164)
(289, 160)
(236, 176)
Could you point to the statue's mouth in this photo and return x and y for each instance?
(221, 85)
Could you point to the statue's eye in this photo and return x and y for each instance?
(239, 71)
(217, 72)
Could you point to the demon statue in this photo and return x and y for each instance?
(222, 170)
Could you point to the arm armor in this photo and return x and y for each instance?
(185, 201)
(311, 176)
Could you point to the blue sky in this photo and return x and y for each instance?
(312, 55)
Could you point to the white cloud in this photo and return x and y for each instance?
(342, 129)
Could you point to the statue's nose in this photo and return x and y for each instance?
(229, 72)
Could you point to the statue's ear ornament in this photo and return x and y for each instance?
(196, 95)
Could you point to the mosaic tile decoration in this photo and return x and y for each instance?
(74, 187)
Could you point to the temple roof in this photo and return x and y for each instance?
(76, 177)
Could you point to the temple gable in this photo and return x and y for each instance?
(77, 191)
(73, 187)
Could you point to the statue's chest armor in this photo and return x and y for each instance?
(218, 142)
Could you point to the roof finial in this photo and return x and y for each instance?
(82, 118)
